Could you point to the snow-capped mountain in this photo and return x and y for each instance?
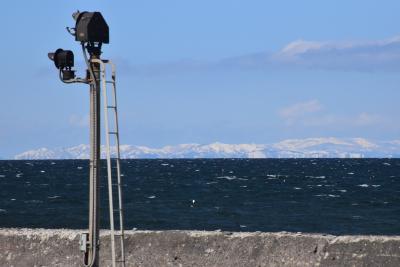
(291, 148)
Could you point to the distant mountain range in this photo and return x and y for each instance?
(291, 148)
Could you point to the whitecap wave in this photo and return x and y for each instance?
(33, 201)
(316, 177)
(227, 177)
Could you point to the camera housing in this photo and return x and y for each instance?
(91, 27)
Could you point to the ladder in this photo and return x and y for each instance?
(113, 162)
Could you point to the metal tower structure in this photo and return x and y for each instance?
(91, 30)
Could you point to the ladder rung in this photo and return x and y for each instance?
(111, 107)
(119, 261)
(112, 132)
(110, 82)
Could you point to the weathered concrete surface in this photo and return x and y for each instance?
(41, 247)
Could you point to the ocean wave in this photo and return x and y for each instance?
(33, 201)
(316, 177)
(227, 177)
(327, 195)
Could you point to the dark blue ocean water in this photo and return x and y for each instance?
(337, 196)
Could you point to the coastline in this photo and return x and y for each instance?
(59, 247)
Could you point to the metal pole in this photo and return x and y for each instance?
(94, 179)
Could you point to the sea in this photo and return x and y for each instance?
(332, 196)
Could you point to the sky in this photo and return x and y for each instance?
(204, 71)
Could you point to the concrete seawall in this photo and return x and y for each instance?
(42, 247)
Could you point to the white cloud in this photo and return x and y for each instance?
(366, 119)
(310, 114)
(323, 120)
(299, 47)
(378, 55)
(299, 110)
(362, 119)
(79, 120)
(373, 55)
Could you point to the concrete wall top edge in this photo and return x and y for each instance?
(72, 233)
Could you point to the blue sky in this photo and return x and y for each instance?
(205, 71)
